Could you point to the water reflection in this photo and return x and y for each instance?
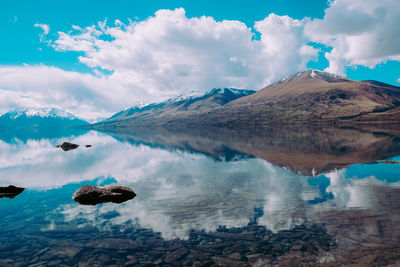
(191, 200)
(307, 150)
(22, 135)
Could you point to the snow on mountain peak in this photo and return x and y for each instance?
(312, 73)
(40, 112)
(138, 105)
(323, 74)
(237, 92)
(192, 94)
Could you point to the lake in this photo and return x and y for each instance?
(275, 195)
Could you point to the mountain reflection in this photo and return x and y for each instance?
(307, 150)
(40, 133)
(225, 185)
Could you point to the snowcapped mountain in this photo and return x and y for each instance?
(40, 112)
(312, 74)
(194, 102)
(232, 92)
(310, 96)
(39, 117)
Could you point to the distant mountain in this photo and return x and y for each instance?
(182, 105)
(38, 117)
(310, 96)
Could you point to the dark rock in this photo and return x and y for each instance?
(10, 191)
(177, 254)
(208, 263)
(87, 146)
(93, 195)
(236, 256)
(67, 146)
(228, 262)
(239, 247)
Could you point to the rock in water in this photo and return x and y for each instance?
(10, 191)
(67, 146)
(93, 195)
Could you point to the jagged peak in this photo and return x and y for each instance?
(192, 95)
(228, 93)
(238, 92)
(138, 105)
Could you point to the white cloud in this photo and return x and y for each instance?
(171, 54)
(360, 33)
(38, 86)
(45, 28)
(283, 44)
(161, 57)
(398, 80)
(75, 27)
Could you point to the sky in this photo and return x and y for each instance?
(94, 58)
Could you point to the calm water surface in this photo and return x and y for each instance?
(240, 199)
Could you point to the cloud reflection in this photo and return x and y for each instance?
(178, 191)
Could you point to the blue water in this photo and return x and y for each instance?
(185, 200)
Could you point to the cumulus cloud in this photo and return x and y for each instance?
(173, 53)
(161, 57)
(169, 53)
(283, 43)
(40, 86)
(360, 33)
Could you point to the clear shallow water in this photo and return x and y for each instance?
(215, 204)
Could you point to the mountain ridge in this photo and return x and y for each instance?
(309, 96)
(39, 117)
(195, 103)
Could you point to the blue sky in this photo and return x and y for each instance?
(106, 55)
(21, 45)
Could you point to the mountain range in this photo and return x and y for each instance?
(181, 106)
(23, 118)
(310, 96)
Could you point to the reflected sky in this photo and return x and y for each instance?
(176, 191)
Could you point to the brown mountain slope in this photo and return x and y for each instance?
(315, 96)
(179, 107)
(306, 97)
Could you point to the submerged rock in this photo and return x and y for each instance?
(93, 195)
(10, 191)
(67, 146)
